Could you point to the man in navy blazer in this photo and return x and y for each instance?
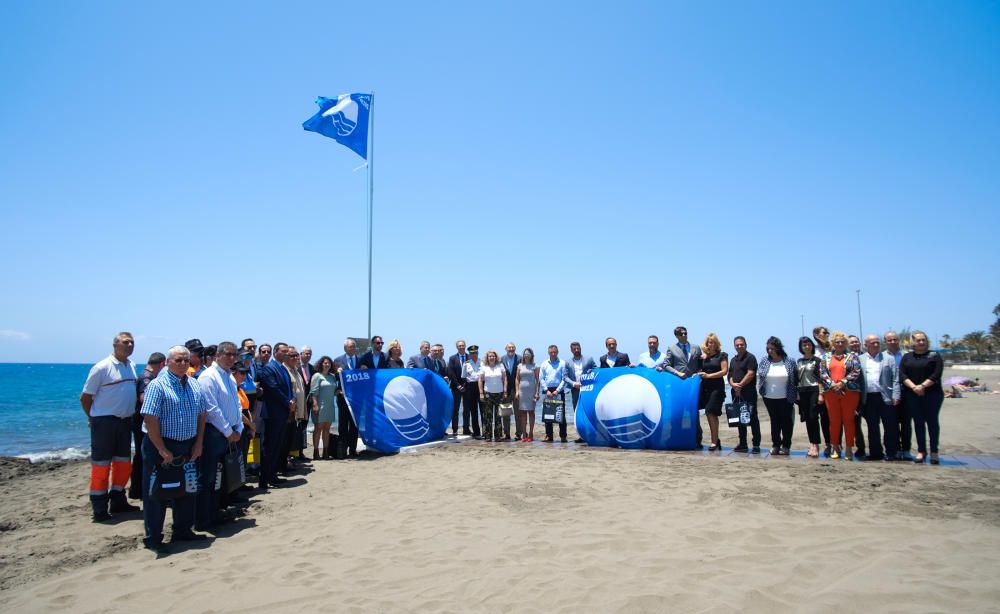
(581, 365)
(456, 376)
(279, 400)
(613, 358)
(374, 358)
(510, 361)
(348, 427)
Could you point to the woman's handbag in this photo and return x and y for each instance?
(507, 409)
(174, 480)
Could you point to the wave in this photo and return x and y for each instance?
(49, 456)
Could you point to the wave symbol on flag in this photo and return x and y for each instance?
(405, 404)
(344, 115)
(629, 407)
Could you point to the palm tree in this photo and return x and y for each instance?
(945, 342)
(976, 340)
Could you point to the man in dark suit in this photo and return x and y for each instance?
(374, 358)
(684, 360)
(581, 365)
(613, 358)
(422, 360)
(348, 427)
(456, 364)
(306, 370)
(279, 400)
(438, 365)
(510, 361)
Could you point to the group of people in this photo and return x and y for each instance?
(196, 403)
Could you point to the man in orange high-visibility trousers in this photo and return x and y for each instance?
(108, 399)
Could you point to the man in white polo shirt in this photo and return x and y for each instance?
(108, 399)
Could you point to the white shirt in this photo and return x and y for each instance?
(648, 361)
(493, 378)
(777, 381)
(578, 367)
(471, 370)
(873, 371)
(112, 384)
(610, 360)
(222, 402)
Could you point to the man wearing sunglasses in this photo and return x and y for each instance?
(684, 360)
(374, 358)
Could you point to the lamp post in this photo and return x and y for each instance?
(861, 332)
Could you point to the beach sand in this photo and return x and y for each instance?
(541, 528)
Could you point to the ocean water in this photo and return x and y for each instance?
(40, 413)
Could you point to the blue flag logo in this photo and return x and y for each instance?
(638, 408)
(395, 408)
(343, 119)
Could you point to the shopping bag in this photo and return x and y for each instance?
(174, 480)
(235, 468)
(552, 410)
(744, 409)
(732, 415)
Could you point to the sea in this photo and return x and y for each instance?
(40, 414)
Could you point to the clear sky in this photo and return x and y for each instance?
(544, 171)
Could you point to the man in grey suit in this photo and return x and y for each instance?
(422, 360)
(580, 364)
(684, 360)
(879, 397)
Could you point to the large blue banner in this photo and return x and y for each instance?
(638, 408)
(395, 408)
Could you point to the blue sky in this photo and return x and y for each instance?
(544, 171)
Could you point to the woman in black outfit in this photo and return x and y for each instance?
(808, 376)
(920, 371)
(714, 368)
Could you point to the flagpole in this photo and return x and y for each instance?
(371, 190)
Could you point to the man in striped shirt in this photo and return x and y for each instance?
(173, 412)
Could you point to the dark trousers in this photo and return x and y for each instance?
(754, 421)
(135, 484)
(154, 512)
(492, 420)
(904, 421)
(562, 423)
(347, 426)
(809, 411)
(925, 412)
(782, 421)
(859, 434)
(456, 396)
(470, 408)
(879, 413)
(213, 448)
(824, 423)
(274, 446)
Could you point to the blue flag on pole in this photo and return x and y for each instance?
(638, 408)
(395, 408)
(343, 119)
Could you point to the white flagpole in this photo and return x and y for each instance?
(371, 190)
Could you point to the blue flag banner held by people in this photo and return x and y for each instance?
(395, 408)
(343, 119)
(638, 408)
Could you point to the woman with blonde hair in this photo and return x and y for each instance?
(920, 372)
(492, 391)
(841, 371)
(714, 368)
(395, 355)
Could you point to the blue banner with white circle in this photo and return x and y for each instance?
(638, 408)
(395, 408)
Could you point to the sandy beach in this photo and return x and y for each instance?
(540, 528)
